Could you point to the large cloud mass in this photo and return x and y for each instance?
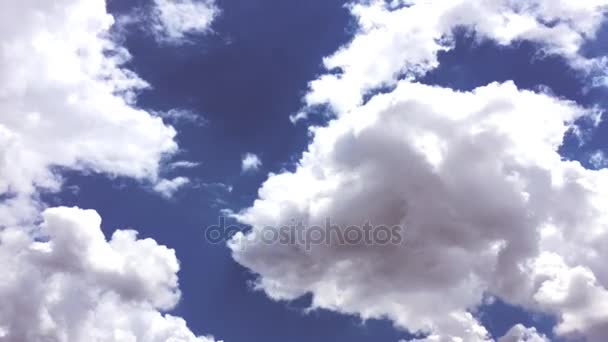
(489, 205)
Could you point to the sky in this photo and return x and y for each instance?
(129, 128)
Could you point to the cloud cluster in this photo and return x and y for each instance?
(67, 102)
(76, 286)
(489, 205)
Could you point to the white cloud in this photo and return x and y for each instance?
(476, 179)
(250, 162)
(80, 287)
(168, 187)
(174, 20)
(66, 102)
(489, 206)
(391, 43)
(574, 293)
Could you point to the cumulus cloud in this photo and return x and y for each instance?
(174, 20)
(67, 102)
(81, 287)
(477, 181)
(488, 203)
(404, 42)
(574, 292)
(250, 162)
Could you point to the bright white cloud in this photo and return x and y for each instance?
(66, 102)
(391, 43)
(476, 179)
(250, 162)
(80, 287)
(174, 20)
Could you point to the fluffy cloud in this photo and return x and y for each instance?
(393, 42)
(574, 293)
(174, 20)
(66, 102)
(489, 205)
(476, 179)
(250, 162)
(80, 287)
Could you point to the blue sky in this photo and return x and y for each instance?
(239, 78)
